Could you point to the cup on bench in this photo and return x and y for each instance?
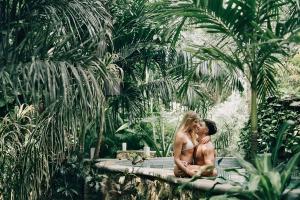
(124, 146)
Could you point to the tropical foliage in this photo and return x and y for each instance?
(252, 38)
(67, 181)
(271, 114)
(51, 56)
(16, 132)
(155, 73)
(72, 73)
(163, 129)
(289, 78)
(267, 179)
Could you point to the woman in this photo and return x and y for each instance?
(185, 143)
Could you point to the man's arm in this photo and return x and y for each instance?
(209, 156)
(209, 159)
(205, 140)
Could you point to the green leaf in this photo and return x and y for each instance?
(275, 180)
(245, 164)
(124, 126)
(282, 130)
(263, 163)
(253, 182)
(286, 173)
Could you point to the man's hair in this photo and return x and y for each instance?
(211, 125)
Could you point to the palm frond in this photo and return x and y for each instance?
(64, 91)
(77, 25)
(59, 71)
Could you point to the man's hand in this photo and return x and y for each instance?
(205, 140)
(204, 170)
(191, 173)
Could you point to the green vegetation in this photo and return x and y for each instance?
(289, 78)
(252, 38)
(271, 114)
(16, 131)
(266, 179)
(50, 59)
(94, 73)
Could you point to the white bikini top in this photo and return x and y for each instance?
(189, 145)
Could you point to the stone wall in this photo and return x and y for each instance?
(115, 179)
(130, 186)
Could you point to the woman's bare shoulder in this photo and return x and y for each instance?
(180, 135)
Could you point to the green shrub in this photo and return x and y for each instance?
(270, 114)
(67, 181)
(265, 178)
(16, 129)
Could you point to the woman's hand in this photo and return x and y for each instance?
(185, 163)
(205, 140)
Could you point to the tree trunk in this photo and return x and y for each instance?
(100, 134)
(81, 146)
(253, 121)
(152, 123)
(163, 135)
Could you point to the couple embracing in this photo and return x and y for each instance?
(193, 150)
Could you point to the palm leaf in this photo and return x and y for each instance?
(39, 66)
(286, 174)
(245, 164)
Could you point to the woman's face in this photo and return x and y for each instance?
(195, 124)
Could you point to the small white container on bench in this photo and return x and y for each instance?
(124, 146)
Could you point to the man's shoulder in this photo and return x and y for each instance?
(208, 147)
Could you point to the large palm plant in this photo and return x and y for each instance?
(153, 68)
(206, 81)
(155, 72)
(53, 55)
(142, 57)
(252, 37)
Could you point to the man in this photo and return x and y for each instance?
(204, 155)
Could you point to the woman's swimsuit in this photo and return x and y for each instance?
(189, 145)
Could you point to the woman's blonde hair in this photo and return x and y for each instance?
(186, 123)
